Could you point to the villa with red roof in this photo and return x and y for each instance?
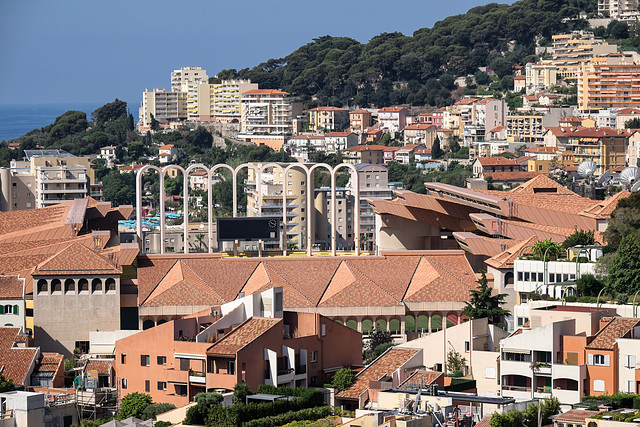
(393, 119)
(328, 119)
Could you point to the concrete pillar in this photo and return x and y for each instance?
(360, 324)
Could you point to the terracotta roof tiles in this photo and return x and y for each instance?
(77, 259)
(616, 328)
(17, 362)
(242, 335)
(11, 287)
(575, 416)
(390, 361)
(103, 366)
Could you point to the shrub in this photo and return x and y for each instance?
(622, 298)
(151, 411)
(343, 379)
(133, 405)
(240, 393)
(291, 416)
(571, 298)
(162, 424)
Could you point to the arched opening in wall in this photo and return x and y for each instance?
(83, 286)
(110, 285)
(381, 325)
(150, 205)
(409, 323)
(320, 177)
(161, 321)
(436, 323)
(174, 197)
(96, 286)
(394, 326)
(8, 324)
(339, 321)
(147, 324)
(367, 326)
(508, 280)
(352, 324)
(423, 324)
(69, 286)
(452, 319)
(56, 287)
(43, 286)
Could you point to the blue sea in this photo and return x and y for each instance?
(18, 119)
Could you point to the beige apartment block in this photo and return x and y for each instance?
(570, 51)
(220, 102)
(166, 107)
(618, 9)
(328, 118)
(540, 76)
(187, 79)
(610, 82)
(265, 198)
(46, 178)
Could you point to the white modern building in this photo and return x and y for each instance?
(187, 79)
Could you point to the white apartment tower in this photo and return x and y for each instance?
(220, 102)
(266, 112)
(187, 80)
(165, 106)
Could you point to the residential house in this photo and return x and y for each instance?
(404, 154)
(519, 83)
(540, 76)
(393, 119)
(253, 342)
(335, 142)
(108, 153)
(624, 115)
(168, 153)
(389, 154)
(422, 155)
(633, 150)
(18, 360)
(12, 302)
(373, 136)
(328, 119)
(372, 154)
(198, 179)
(360, 120)
(422, 134)
(484, 165)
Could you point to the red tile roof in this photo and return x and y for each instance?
(103, 366)
(511, 176)
(166, 147)
(51, 362)
(424, 377)
(371, 147)
(419, 127)
(618, 327)
(497, 129)
(360, 112)
(77, 259)
(390, 361)
(328, 109)
(494, 161)
(265, 92)
(17, 362)
(575, 416)
(391, 109)
(11, 287)
(339, 134)
(241, 336)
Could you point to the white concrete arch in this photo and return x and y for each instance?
(310, 204)
(238, 168)
(186, 203)
(284, 200)
(185, 186)
(139, 175)
(356, 208)
(308, 208)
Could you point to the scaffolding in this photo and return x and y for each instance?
(95, 403)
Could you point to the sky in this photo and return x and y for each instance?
(87, 51)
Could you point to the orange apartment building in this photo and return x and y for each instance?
(254, 342)
(360, 120)
(604, 84)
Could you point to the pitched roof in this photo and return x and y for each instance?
(390, 361)
(506, 258)
(339, 134)
(616, 328)
(77, 259)
(391, 109)
(103, 366)
(511, 176)
(11, 287)
(328, 109)
(365, 147)
(50, 362)
(166, 147)
(575, 416)
(360, 111)
(347, 287)
(248, 331)
(17, 362)
(441, 278)
(494, 161)
(424, 377)
(419, 126)
(265, 92)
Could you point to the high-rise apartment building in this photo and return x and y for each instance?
(540, 76)
(609, 82)
(220, 102)
(267, 116)
(618, 9)
(570, 51)
(165, 107)
(187, 79)
(47, 177)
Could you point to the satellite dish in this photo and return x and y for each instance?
(635, 187)
(587, 168)
(629, 176)
(604, 178)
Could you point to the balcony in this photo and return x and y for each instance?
(516, 368)
(516, 392)
(197, 377)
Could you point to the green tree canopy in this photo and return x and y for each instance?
(133, 405)
(343, 379)
(624, 272)
(482, 303)
(579, 237)
(625, 221)
(111, 111)
(119, 188)
(436, 150)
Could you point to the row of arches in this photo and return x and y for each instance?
(399, 325)
(80, 286)
(258, 172)
(151, 321)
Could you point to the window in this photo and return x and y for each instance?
(144, 360)
(181, 390)
(628, 387)
(83, 346)
(123, 358)
(124, 383)
(314, 356)
(540, 277)
(598, 385)
(524, 298)
(162, 360)
(162, 385)
(490, 373)
(14, 184)
(520, 276)
(147, 385)
(526, 276)
(324, 329)
(630, 361)
(598, 359)
(466, 346)
(231, 367)
(184, 364)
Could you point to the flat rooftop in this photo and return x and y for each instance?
(572, 308)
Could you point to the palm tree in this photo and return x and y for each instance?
(200, 239)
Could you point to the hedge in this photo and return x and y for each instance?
(311, 414)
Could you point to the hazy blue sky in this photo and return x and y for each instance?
(71, 51)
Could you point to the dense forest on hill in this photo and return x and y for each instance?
(419, 70)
